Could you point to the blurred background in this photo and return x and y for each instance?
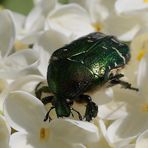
(21, 6)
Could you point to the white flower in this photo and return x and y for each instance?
(30, 27)
(106, 19)
(133, 5)
(25, 113)
(135, 122)
(4, 133)
(17, 64)
(139, 48)
(71, 20)
(118, 25)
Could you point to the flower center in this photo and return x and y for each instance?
(143, 51)
(144, 107)
(97, 26)
(44, 133)
(20, 45)
(145, 1)
(140, 55)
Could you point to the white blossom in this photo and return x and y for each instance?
(71, 20)
(17, 64)
(135, 122)
(25, 113)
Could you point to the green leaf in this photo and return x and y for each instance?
(64, 1)
(21, 6)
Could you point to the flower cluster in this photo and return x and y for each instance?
(26, 44)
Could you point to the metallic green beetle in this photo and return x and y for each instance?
(90, 62)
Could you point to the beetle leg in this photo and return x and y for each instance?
(124, 84)
(48, 99)
(117, 76)
(41, 89)
(47, 114)
(80, 117)
(91, 107)
(72, 114)
(45, 101)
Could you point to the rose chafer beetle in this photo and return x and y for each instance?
(88, 63)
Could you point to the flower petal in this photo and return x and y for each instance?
(57, 143)
(111, 111)
(24, 140)
(19, 20)
(75, 131)
(4, 133)
(123, 27)
(139, 46)
(19, 64)
(3, 92)
(133, 5)
(51, 40)
(143, 75)
(127, 127)
(26, 83)
(47, 43)
(142, 141)
(6, 39)
(24, 112)
(19, 139)
(70, 19)
(98, 9)
(35, 19)
(102, 96)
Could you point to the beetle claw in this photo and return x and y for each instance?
(47, 115)
(91, 111)
(79, 115)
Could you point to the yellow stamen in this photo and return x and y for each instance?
(97, 26)
(144, 107)
(44, 133)
(141, 55)
(20, 45)
(145, 1)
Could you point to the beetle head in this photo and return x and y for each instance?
(62, 108)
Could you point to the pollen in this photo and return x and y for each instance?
(97, 26)
(44, 134)
(144, 107)
(140, 55)
(20, 45)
